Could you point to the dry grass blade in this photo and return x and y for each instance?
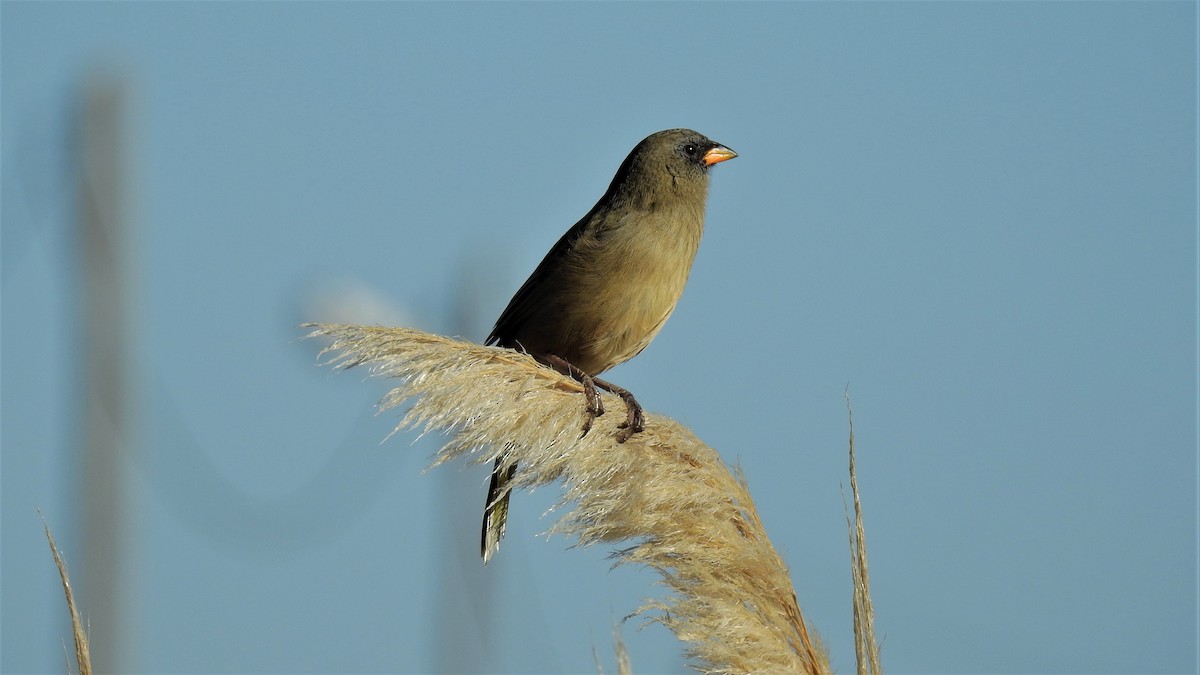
(679, 509)
(624, 663)
(83, 658)
(866, 649)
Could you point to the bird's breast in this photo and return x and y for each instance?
(634, 277)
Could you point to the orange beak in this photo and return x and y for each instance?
(718, 154)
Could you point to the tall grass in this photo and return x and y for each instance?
(83, 656)
(664, 496)
(866, 648)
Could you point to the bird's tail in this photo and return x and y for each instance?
(495, 510)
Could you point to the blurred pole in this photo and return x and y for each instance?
(105, 322)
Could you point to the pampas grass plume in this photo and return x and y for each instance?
(667, 497)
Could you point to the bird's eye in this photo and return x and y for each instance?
(690, 149)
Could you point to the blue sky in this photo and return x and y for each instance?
(979, 217)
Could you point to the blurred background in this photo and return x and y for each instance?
(980, 218)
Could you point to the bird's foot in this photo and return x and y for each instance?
(594, 407)
(635, 420)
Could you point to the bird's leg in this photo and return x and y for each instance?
(595, 407)
(634, 422)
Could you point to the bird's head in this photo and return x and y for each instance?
(675, 160)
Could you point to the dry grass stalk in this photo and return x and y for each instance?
(664, 492)
(83, 657)
(624, 664)
(866, 649)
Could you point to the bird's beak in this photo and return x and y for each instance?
(718, 154)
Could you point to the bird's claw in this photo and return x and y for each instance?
(635, 421)
(590, 416)
(635, 425)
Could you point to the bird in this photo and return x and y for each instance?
(606, 288)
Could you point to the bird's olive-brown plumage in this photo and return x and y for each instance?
(607, 287)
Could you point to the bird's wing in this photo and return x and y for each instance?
(525, 302)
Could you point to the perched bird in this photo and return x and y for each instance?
(605, 289)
